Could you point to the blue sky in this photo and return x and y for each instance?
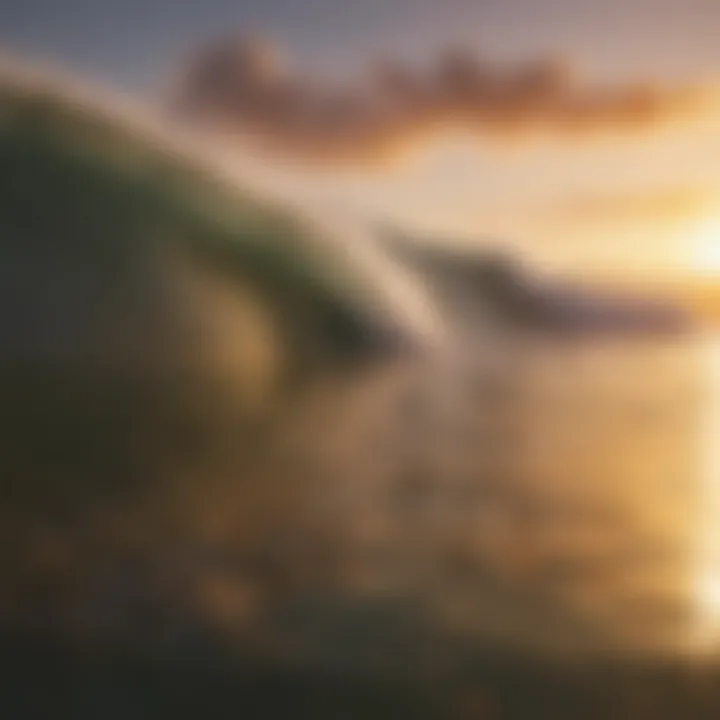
(130, 42)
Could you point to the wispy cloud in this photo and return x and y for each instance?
(239, 85)
(642, 205)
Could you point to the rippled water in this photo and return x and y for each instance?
(571, 498)
(707, 569)
(616, 464)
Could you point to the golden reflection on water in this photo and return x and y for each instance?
(612, 448)
(706, 633)
(635, 427)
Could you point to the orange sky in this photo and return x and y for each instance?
(569, 129)
(615, 179)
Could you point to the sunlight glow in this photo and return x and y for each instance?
(705, 247)
(707, 575)
(709, 595)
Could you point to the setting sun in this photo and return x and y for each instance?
(705, 247)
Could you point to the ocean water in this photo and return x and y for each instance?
(553, 493)
(613, 460)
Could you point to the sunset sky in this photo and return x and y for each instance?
(547, 149)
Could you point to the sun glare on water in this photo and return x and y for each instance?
(707, 574)
(704, 241)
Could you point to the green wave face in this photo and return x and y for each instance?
(108, 185)
(166, 336)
